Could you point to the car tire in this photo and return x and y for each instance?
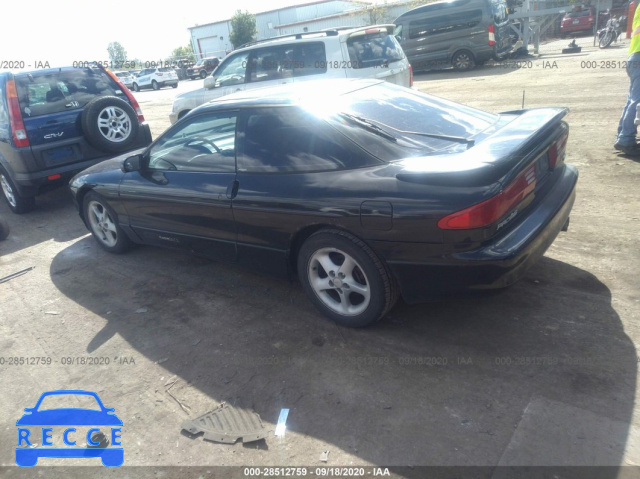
(4, 229)
(175, 85)
(203, 74)
(18, 203)
(136, 87)
(110, 124)
(154, 85)
(355, 298)
(463, 61)
(102, 221)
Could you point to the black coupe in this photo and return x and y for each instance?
(363, 189)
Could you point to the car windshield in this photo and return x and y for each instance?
(65, 401)
(404, 117)
(62, 90)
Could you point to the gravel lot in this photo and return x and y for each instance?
(542, 374)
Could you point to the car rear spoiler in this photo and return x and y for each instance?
(498, 157)
(387, 28)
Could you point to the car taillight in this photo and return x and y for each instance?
(492, 35)
(127, 92)
(410, 75)
(491, 210)
(555, 153)
(18, 131)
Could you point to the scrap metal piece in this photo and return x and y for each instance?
(227, 424)
(281, 427)
(15, 275)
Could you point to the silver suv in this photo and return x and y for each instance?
(363, 52)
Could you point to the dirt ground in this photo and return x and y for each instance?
(542, 374)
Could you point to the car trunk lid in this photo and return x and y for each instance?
(504, 172)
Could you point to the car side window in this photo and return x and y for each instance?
(233, 71)
(309, 59)
(271, 63)
(444, 23)
(289, 139)
(206, 143)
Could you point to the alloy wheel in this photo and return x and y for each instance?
(8, 191)
(339, 281)
(102, 224)
(114, 124)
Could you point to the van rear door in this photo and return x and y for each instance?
(373, 52)
(500, 23)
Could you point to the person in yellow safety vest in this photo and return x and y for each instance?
(627, 130)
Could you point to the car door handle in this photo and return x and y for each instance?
(232, 189)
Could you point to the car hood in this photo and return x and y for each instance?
(111, 164)
(69, 417)
(190, 94)
(109, 171)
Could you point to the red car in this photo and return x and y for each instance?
(580, 19)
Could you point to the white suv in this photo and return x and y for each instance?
(364, 52)
(155, 78)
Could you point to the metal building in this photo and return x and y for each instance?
(212, 39)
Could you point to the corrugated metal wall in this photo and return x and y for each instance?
(206, 40)
(279, 22)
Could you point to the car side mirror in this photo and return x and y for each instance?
(132, 163)
(210, 83)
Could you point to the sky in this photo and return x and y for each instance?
(66, 31)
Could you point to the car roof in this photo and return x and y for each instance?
(292, 94)
(48, 71)
(312, 36)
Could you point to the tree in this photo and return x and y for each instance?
(117, 53)
(378, 13)
(183, 52)
(243, 28)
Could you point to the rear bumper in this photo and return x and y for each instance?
(494, 265)
(576, 28)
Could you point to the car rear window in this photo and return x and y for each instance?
(62, 90)
(393, 108)
(373, 50)
(165, 70)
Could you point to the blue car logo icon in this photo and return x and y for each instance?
(103, 424)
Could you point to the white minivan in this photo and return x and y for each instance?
(363, 52)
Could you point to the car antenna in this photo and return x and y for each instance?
(523, 99)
